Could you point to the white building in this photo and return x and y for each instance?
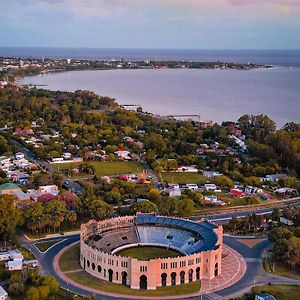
(210, 187)
(211, 174)
(14, 265)
(189, 169)
(19, 155)
(11, 255)
(4, 256)
(16, 255)
(67, 155)
(275, 177)
(3, 294)
(192, 186)
(48, 189)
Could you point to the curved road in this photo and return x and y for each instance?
(254, 275)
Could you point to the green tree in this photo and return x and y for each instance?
(32, 293)
(292, 256)
(10, 217)
(16, 289)
(144, 207)
(279, 233)
(185, 207)
(223, 181)
(99, 209)
(51, 283)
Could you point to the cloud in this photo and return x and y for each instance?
(295, 3)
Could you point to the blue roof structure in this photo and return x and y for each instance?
(204, 230)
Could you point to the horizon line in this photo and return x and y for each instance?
(146, 48)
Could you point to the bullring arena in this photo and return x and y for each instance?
(196, 249)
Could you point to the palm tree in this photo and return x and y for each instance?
(72, 217)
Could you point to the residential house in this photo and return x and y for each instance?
(275, 177)
(8, 188)
(234, 130)
(189, 169)
(211, 174)
(23, 132)
(174, 190)
(123, 154)
(192, 186)
(14, 265)
(19, 155)
(14, 190)
(237, 193)
(3, 292)
(48, 189)
(210, 187)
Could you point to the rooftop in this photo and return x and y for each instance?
(8, 186)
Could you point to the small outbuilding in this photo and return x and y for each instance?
(3, 293)
(264, 296)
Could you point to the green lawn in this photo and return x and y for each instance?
(281, 270)
(70, 259)
(103, 168)
(88, 280)
(280, 291)
(44, 246)
(147, 253)
(183, 178)
(26, 253)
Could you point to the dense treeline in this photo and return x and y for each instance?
(268, 145)
(88, 122)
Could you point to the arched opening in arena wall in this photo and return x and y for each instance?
(182, 277)
(110, 275)
(124, 278)
(216, 269)
(143, 282)
(163, 279)
(173, 278)
(198, 273)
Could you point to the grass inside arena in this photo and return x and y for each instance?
(147, 253)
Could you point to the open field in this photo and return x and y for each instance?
(147, 253)
(104, 168)
(183, 178)
(280, 270)
(88, 280)
(44, 246)
(70, 259)
(280, 291)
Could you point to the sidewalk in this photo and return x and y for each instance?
(233, 269)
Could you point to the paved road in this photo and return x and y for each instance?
(222, 218)
(69, 184)
(254, 275)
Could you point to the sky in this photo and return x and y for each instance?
(187, 24)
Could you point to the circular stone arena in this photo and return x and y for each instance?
(149, 251)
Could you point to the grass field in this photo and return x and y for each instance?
(147, 253)
(280, 270)
(70, 259)
(44, 246)
(88, 280)
(26, 253)
(103, 168)
(280, 291)
(183, 178)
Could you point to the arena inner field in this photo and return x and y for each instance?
(147, 253)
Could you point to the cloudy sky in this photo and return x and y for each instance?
(220, 24)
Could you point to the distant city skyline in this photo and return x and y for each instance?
(168, 24)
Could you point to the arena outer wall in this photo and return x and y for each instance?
(130, 271)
